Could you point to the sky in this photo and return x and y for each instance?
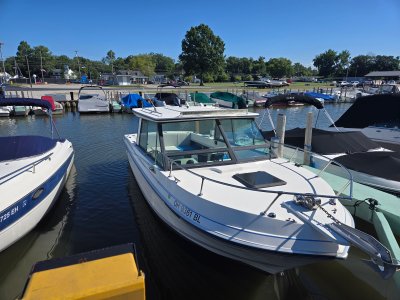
(295, 29)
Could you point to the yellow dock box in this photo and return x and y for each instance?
(109, 273)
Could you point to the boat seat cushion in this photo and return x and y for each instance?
(15, 147)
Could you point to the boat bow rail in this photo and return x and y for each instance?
(381, 257)
(25, 168)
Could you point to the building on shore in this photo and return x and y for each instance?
(124, 77)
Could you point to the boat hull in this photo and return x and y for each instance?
(268, 261)
(41, 187)
(259, 256)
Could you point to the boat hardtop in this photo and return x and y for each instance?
(191, 112)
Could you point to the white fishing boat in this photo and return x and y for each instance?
(92, 102)
(209, 174)
(33, 171)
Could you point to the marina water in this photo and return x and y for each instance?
(101, 205)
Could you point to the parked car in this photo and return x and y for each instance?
(355, 83)
(344, 84)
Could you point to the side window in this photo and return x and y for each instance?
(149, 141)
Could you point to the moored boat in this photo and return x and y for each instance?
(33, 171)
(93, 102)
(209, 174)
(228, 100)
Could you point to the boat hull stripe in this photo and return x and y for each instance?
(24, 205)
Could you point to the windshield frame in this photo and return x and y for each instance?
(228, 151)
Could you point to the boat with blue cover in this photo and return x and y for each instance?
(33, 171)
(133, 101)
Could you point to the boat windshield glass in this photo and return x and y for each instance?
(194, 142)
(245, 138)
(86, 97)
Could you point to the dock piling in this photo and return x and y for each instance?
(307, 139)
(280, 132)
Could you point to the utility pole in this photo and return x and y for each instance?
(29, 71)
(4, 68)
(79, 66)
(41, 66)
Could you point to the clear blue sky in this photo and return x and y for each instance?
(295, 29)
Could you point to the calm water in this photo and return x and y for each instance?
(101, 205)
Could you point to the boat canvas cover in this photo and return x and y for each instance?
(134, 101)
(301, 98)
(328, 142)
(50, 100)
(378, 163)
(320, 95)
(229, 97)
(169, 99)
(200, 98)
(25, 102)
(371, 110)
(15, 147)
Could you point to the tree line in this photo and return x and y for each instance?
(203, 56)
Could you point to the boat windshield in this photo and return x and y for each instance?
(245, 138)
(86, 97)
(194, 142)
(213, 141)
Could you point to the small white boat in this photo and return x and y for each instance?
(33, 171)
(5, 111)
(93, 102)
(209, 174)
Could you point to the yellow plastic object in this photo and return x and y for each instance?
(115, 277)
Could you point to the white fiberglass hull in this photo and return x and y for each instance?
(284, 244)
(28, 193)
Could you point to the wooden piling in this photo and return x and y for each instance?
(307, 139)
(280, 132)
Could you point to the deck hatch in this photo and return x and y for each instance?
(259, 179)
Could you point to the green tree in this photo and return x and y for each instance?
(164, 64)
(361, 65)
(202, 52)
(342, 63)
(386, 63)
(279, 67)
(326, 63)
(41, 60)
(233, 66)
(109, 60)
(330, 63)
(24, 53)
(259, 67)
(144, 63)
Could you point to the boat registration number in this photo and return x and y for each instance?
(185, 211)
